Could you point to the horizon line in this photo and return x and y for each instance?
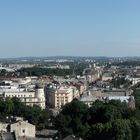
(69, 56)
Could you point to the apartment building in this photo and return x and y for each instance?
(34, 97)
(59, 96)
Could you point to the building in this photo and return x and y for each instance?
(17, 129)
(29, 97)
(3, 127)
(89, 100)
(19, 66)
(23, 128)
(59, 96)
(80, 86)
(97, 92)
(132, 103)
(107, 76)
(134, 80)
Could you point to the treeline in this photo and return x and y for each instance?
(35, 115)
(36, 71)
(128, 63)
(4, 73)
(102, 121)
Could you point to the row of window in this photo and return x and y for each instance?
(31, 104)
(62, 97)
(62, 101)
(17, 95)
(65, 94)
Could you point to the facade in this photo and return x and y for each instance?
(19, 66)
(3, 127)
(80, 87)
(58, 97)
(106, 93)
(89, 100)
(23, 128)
(31, 98)
(17, 129)
(134, 80)
(107, 77)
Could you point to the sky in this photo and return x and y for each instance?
(69, 28)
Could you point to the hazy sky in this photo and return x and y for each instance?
(69, 27)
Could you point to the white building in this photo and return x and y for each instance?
(23, 128)
(120, 98)
(31, 98)
(89, 99)
(3, 127)
(134, 80)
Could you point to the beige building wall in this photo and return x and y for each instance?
(23, 128)
(62, 98)
(29, 98)
(59, 97)
(19, 94)
(106, 78)
(3, 127)
(82, 89)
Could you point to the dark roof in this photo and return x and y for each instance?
(8, 136)
(71, 137)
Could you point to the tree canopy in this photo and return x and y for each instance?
(102, 121)
(35, 115)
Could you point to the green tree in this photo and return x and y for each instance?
(62, 123)
(70, 120)
(121, 130)
(135, 127)
(9, 106)
(96, 132)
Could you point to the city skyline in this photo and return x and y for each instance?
(69, 28)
